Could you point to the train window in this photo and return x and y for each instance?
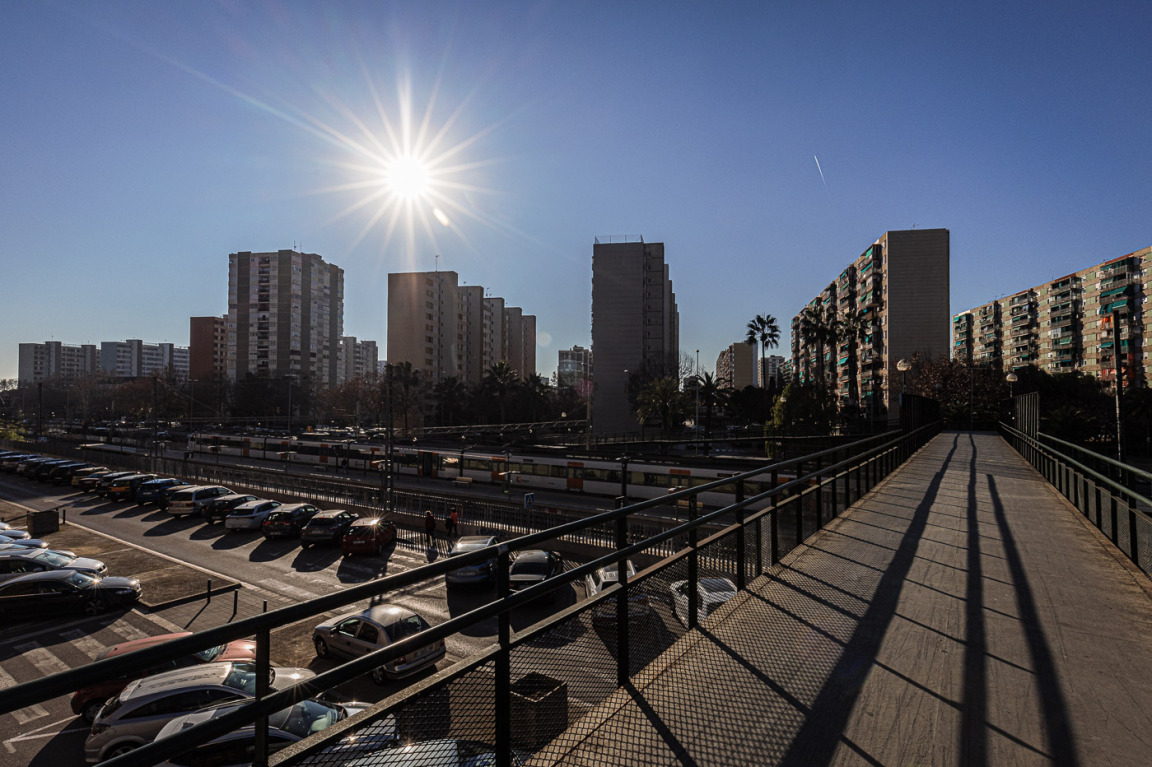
(479, 464)
(558, 471)
(601, 475)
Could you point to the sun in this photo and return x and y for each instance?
(408, 178)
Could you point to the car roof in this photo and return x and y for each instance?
(385, 615)
(475, 540)
(369, 521)
(328, 513)
(256, 503)
(44, 575)
(291, 506)
(139, 644)
(533, 555)
(201, 674)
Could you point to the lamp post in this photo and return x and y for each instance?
(903, 366)
(696, 420)
(1012, 378)
(623, 481)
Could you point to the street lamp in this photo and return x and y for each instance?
(904, 366)
(623, 481)
(1012, 378)
(696, 420)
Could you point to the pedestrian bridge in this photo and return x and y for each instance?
(961, 613)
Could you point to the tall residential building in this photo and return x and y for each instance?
(444, 329)
(635, 326)
(769, 367)
(53, 361)
(897, 289)
(736, 366)
(574, 368)
(358, 359)
(134, 358)
(1065, 325)
(285, 316)
(208, 348)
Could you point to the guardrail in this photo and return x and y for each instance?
(530, 684)
(1101, 489)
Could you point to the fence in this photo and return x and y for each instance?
(531, 684)
(1103, 490)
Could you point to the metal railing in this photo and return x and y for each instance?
(1100, 488)
(530, 684)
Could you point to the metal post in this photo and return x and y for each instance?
(503, 680)
(622, 649)
(741, 515)
(1119, 386)
(693, 568)
(263, 671)
(819, 494)
(774, 530)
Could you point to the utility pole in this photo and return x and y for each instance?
(1119, 386)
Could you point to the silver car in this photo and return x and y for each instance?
(135, 716)
(710, 594)
(192, 500)
(21, 561)
(357, 634)
(481, 573)
(250, 514)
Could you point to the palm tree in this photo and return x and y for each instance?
(763, 329)
(661, 398)
(857, 326)
(450, 394)
(712, 394)
(500, 382)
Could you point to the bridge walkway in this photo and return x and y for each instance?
(962, 613)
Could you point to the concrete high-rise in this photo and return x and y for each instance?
(285, 316)
(635, 326)
(358, 359)
(736, 367)
(208, 348)
(134, 358)
(897, 289)
(56, 361)
(444, 329)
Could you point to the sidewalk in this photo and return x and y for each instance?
(961, 614)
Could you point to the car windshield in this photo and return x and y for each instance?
(406, 627)
(211, 654)
(54, 558)
(322, 522)
(242, 677)
(535, 567)
(305, 718)
(82, 580)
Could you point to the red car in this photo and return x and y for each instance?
(87, 701)
(368, 536)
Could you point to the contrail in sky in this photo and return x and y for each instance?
(817, 159)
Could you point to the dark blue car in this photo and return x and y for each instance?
(155, 490)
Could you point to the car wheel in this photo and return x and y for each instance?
(379, 676)
(91, 709)
(321, 647)
(120, 750)
(94, 607)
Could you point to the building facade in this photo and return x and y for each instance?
(574, 368)
(53, 361)
(134, 358)
(285, 316)
(444, 329)
(892, 302)
(208, 348)
(1065, 325)
(635, 326)
(358, 359)
(736, 366)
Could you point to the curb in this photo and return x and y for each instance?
(205, 595)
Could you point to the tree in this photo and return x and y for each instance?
(661, 399)
(450, 395)
(856, 325)
(499, 383)
(763, 329)
(712, 395)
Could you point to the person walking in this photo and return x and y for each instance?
(450, 524)
(430, 528)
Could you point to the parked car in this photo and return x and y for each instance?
(125, 488)
(217, 509)
(11, 532)
(285, 727)
(357, 634)
(88, 482)
(84, 471)
(288, 520)
(52, 591)
(710, 594)
(87, 701)
(367, 536)
(41, 471)
(481, 573)
(11, 462)
(327, 527)
(27, 467)
(598, 580)
(152, 490)
(250, 515)
(135, 716)
(14, 562)
(166, 494)
(533, 566)
(10, 543)
(106, 481)
(192, 500)
(62, 475)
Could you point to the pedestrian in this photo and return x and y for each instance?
(430, 528)
(450, 524)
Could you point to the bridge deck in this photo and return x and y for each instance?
(961, 614)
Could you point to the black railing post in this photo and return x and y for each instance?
(693, 567)
(622, 649)
(819, 494)
(774, 525)
(263, 672)
(503, 682)
(741, 559)
(1114, 514)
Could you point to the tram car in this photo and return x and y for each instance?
(467, 466)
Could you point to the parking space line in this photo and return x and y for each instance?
(26, 714)
(83, 642)
(42, 659)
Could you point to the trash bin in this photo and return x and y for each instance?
(42, 522)
(539, 710)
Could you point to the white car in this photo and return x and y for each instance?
(711, 593)
(250, 515)
(606, 576)
(191, 500)
(357, 634)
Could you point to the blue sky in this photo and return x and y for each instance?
(142, 142)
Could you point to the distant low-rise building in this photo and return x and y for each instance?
(134, 358)
(55, 361)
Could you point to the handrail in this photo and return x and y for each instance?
(878, 455)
